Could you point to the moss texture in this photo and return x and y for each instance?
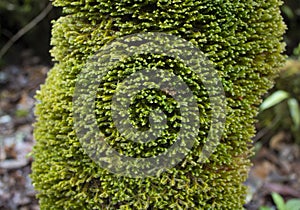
(243, 39)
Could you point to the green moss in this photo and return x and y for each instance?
(243, 40)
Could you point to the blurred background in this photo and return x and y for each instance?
(25, 30)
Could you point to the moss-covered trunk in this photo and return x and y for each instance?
(242, 39)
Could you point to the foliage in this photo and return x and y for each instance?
(292, 204)
(280, 111)
(243, 40)
(296, 52)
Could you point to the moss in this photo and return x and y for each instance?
(242, 39)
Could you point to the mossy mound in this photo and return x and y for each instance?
(242, 39)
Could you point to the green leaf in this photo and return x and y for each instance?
(273, 99)
(278, 200)
(296, 51)
(294, 111)
(293, 204)
(288, 12)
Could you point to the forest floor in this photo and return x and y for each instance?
(276, 164)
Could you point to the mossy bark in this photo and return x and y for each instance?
(243, 39)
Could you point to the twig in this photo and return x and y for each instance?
(25, 29)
